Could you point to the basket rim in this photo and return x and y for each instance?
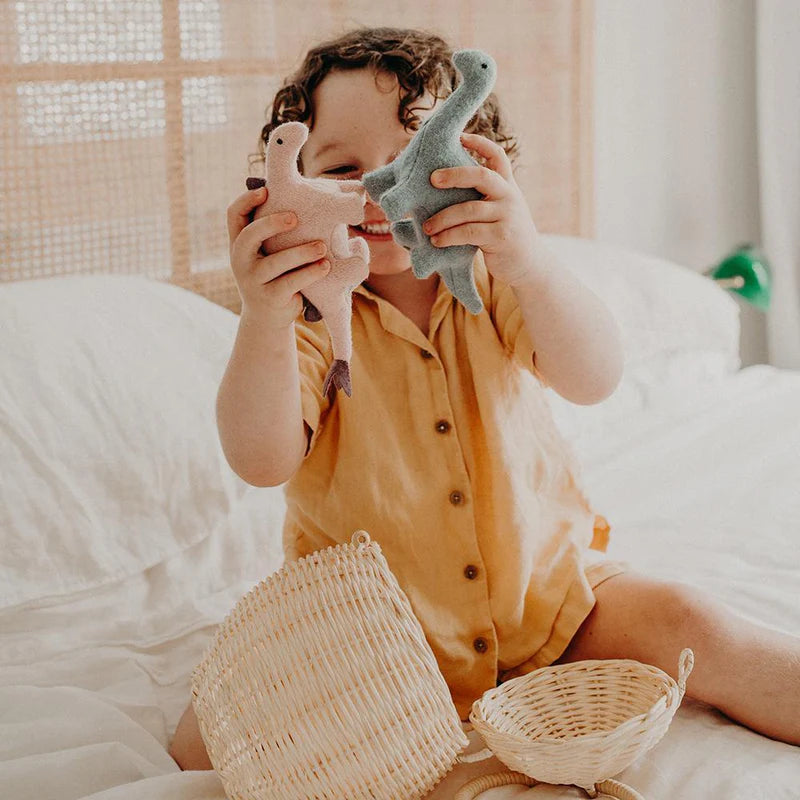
(605, 665)
(582, 738)
(360, 542)
(289, 568)
(299, 564)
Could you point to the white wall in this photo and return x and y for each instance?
(675, 138)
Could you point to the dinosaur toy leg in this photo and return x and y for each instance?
(358, 248)
(333, 296)
(404, 234)
(343, 250)
(340, 242)
(456, 271)
(379, 181)
(397, 202)
(425, 259)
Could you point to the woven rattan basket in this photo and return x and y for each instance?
(578, 723)
(320, 683)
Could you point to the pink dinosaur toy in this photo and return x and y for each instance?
(324, 208)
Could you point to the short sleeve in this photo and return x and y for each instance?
(510, 325)
(314, 356)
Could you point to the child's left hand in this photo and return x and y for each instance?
(500, 224)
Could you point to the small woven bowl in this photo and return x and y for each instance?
(578, 723)
(320, 683)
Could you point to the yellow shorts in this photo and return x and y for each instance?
(597, 568)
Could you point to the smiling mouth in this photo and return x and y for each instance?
(374, 228)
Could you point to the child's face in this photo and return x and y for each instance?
(356, 130)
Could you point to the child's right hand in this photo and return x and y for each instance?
(270, 285)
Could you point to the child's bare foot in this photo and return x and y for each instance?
(187, 748)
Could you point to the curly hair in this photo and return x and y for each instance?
(421, 61)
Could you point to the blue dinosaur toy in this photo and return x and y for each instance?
(403, 188)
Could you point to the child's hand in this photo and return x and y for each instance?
(270, 285)
(500, 224)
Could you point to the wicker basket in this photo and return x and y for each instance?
(320, 683)
(578, 723)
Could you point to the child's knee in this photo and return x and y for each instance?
(638, 617)
(690, 613)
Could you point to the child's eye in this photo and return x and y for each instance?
(339, 170)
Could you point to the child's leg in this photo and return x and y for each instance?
(188, 748)
(749, 672)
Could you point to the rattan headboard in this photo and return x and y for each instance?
(126, 124)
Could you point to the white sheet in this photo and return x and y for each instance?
(702, 489)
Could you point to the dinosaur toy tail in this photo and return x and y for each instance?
(461, 284)
(338, 377)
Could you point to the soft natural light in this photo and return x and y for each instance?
(88, 31)
(92, 110)
(201, 29)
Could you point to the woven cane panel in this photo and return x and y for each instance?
(126, 126)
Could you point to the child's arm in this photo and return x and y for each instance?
(259, 412)
(577, 347)
(259, 415)
(578, 351)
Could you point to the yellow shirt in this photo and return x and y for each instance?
(447, 455)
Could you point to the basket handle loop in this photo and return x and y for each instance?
(360, 538)
(479, 785)
(480, 755)
(685, 666)
(616, 789)
(475, 787)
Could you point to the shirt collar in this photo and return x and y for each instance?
(396, 322)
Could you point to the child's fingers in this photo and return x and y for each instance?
(274, 265)
(251, 237)
(496, 158)
(292, 282)
(479, 234)
(489, 183)
(459, 213)
(240, 209)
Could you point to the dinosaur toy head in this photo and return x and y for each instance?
(476, 67)
(285, 142)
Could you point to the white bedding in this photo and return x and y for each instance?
(695, 464)
(92, 688)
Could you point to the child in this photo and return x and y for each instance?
(446, 452)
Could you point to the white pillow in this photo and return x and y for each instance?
(679, 330)
(110, 453)
(661, 307)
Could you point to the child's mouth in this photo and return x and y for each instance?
(379, 231)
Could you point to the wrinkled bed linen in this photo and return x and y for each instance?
(701, 489)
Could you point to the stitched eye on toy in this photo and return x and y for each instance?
(279, 141)
(484, 66)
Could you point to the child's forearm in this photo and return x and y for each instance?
(577, 342)
(259, 413)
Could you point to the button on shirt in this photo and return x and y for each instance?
(496, 496)
(470, 572)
